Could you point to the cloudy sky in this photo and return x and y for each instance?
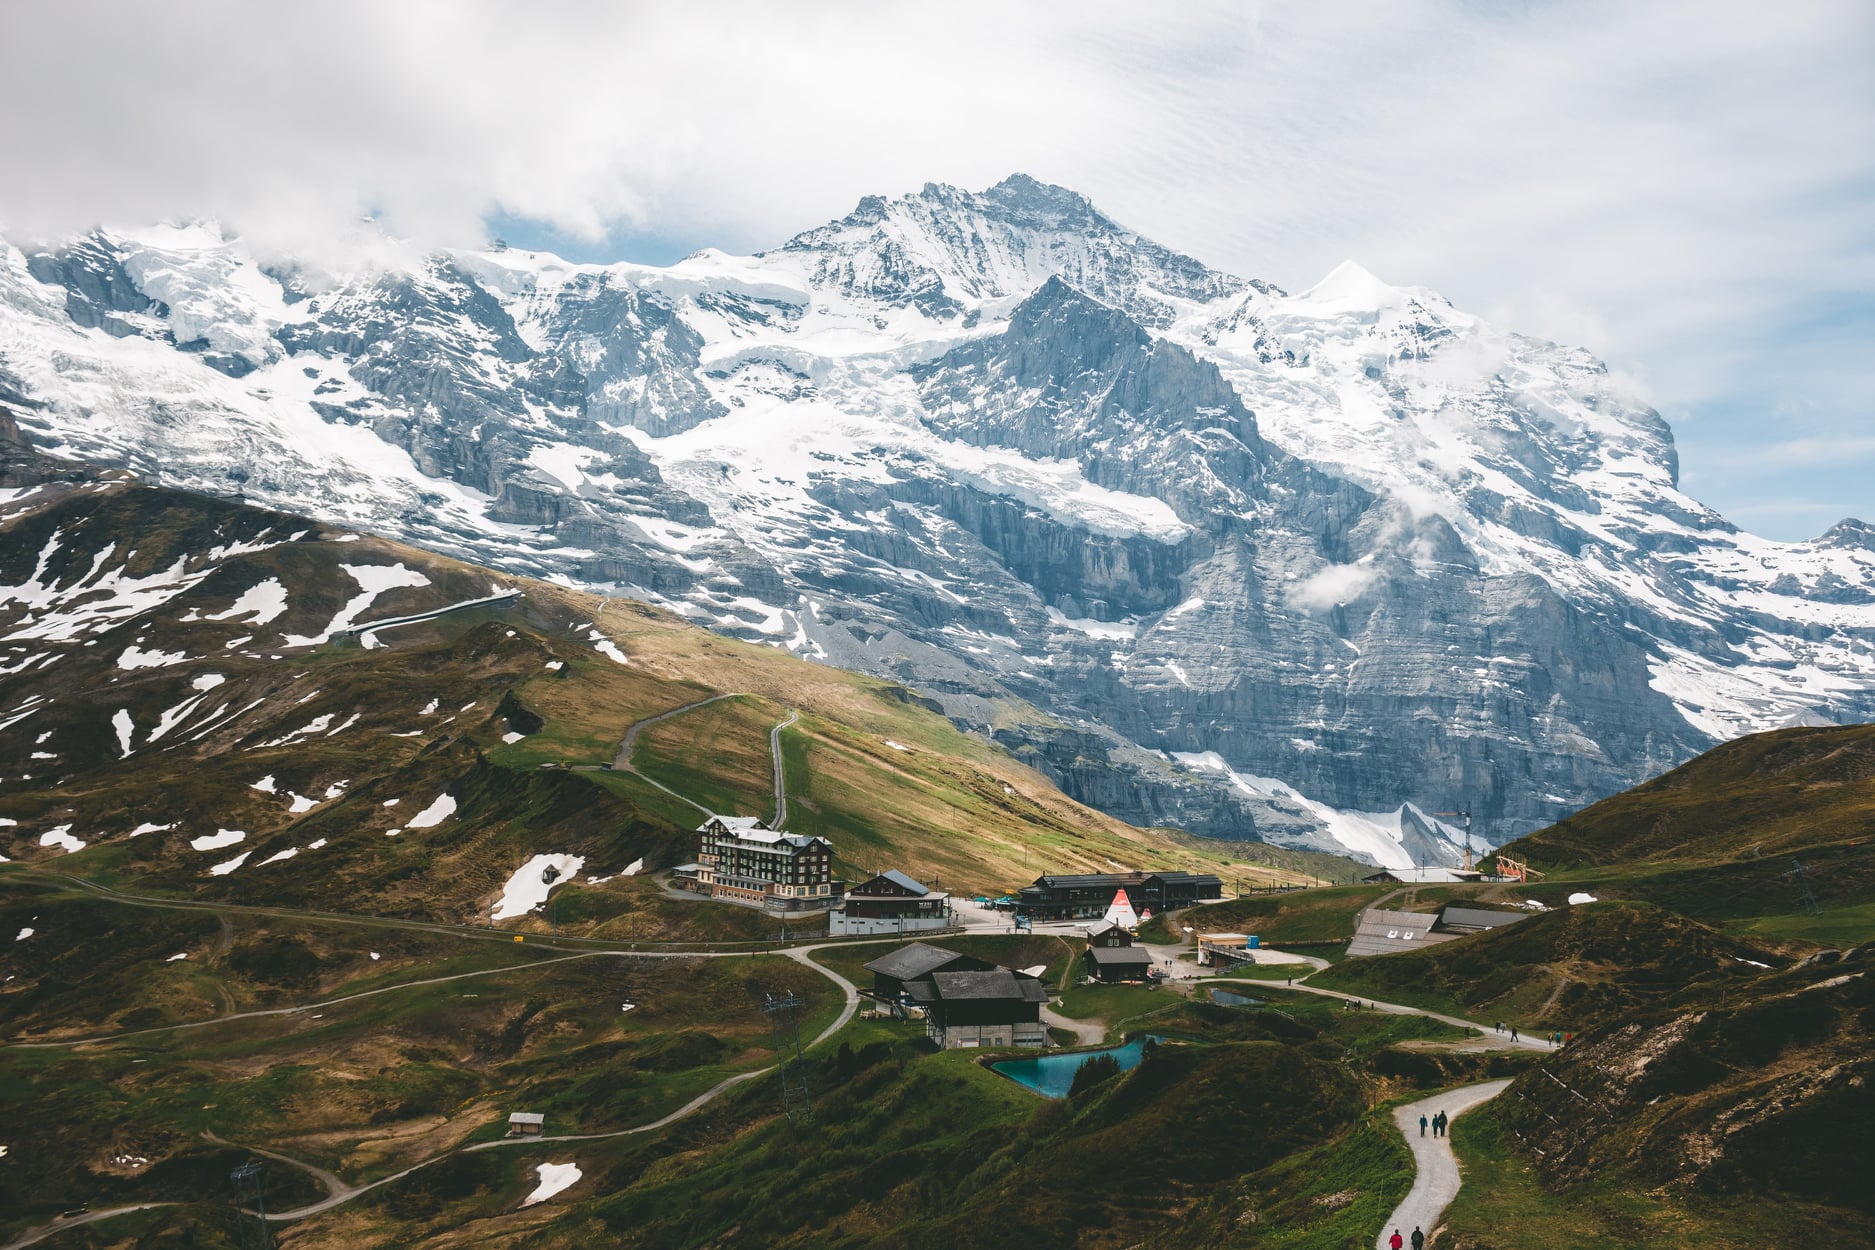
(1687, 189)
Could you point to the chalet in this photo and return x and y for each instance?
(1111, 955)
(892, 973)
(741, 860)
(526, 1124)
(1088, 895)
(890, 903)
(993, 1007)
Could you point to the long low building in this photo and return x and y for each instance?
(1382, 932)
(1085, 896)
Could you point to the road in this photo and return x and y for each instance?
(1437, 1182)
(370, 628)
(774, 749)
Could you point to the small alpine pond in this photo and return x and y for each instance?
(1051, 1076)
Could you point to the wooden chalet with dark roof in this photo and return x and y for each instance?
(890, 903)
(993, 1007)
(892, 973)
(1111, 955)
(966, 1001)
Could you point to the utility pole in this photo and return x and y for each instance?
(784, 1020)
(257, 1236)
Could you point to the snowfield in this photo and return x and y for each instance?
(527, 889)
(554, 1177)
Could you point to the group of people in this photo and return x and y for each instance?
(1437, 1123)
(1396, 1242)
(1556, 1037)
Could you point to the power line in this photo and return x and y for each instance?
(255, 1235)
(784, 1013)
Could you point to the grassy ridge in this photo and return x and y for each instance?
(1568, 969)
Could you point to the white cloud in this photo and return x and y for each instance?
(1679, 186)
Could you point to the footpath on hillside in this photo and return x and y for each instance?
(1437, 1181)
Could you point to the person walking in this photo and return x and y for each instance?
(1419, 1238)
(1513, 1032)
(1422, 1126)
(1396, 1242)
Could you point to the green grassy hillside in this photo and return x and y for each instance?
(1763, 795)
(1730, 1116)
(1569, 969)
(184, 716)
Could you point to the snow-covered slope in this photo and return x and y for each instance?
(1264, 559)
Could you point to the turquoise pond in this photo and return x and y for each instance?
(1052, 1075)
(1224, 998)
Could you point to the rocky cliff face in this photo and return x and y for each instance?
(1270, 565)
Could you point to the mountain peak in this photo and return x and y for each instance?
(1348, 285)
(945, 248)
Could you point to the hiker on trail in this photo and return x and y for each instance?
(1422, 1126)
(1396, 1242)
(1513, 1032)
(1438, 1124)
(1419, 1239)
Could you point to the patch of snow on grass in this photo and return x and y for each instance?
(207, 681)
(227, 866)
(218, 839)
(137, 657)
(391, 802)
(147, 827)
(62, 837)
(1581, 896)
(277, 856)
(554, 666)
(259, 604)
(634, 868)
(373, 580)
(315, 844)
(897, 746)
(435, 814)
(24, 934)
(512, 737)
(609, 649)
(125, 727)
(300, 804)
(554, 1177)
(336, 788)
(178, 955)
(526, 890)
(431, 709)
(265, 785)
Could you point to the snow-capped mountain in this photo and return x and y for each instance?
(1305, 567)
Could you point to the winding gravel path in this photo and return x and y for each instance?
(1438, 1179)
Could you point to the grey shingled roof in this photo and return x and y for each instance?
(1478, 917)
(905, 882)
(1119, 955)
(997, 983)
(908, 963)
